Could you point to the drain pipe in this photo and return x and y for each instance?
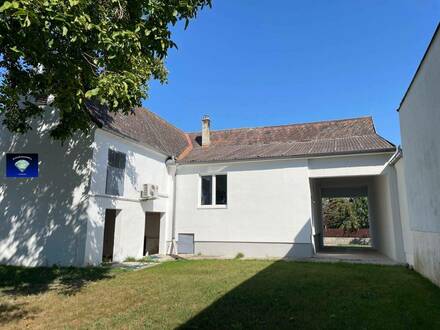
(395, 158)
(173, 165)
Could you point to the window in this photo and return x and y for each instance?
(220, 189)
(206, 190)
(115, 173)
(214, 190)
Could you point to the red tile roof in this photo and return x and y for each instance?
(347, 136)
(144, 127)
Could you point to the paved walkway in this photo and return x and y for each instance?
(354, 255)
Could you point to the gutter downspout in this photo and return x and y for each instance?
(395, 158)
(173, 248)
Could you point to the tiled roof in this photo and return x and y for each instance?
(312, 139)
(144, 127)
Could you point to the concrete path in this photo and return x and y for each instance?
(353, 255)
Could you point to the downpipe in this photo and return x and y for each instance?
(173, 248)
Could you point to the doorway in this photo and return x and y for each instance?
(109, 234)
(151, 233)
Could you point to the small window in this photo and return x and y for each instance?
(214, 190)
(221, 186)
(115, 173)
(206, 190)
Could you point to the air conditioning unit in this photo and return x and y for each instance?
(149, 191)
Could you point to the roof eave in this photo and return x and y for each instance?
(299, 156)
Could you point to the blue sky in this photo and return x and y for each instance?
(253, 63)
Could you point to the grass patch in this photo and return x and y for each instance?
(229, 294)
(145, 259)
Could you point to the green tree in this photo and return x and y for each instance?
(334, 212)
(81, 50)
(349, 214)
(360, 208)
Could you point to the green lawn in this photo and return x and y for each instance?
(230, 294)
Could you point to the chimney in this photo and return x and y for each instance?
(206, 134)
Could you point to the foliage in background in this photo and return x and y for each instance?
(80, 50)
(349, 214)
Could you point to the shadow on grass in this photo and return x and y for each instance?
(64, 280)
(307, 295)
(22, 281)
(16, 311)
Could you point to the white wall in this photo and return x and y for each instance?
(268, 202)
(43, 220)
(143, 165)
(386, 224)
(342, 166)
(404, 216)
(419, 124)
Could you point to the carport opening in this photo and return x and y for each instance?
(346, 222)
(151, 233)
(343, 213)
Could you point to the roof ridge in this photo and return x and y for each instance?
(290, 125)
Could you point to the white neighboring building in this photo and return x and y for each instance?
(419, 114)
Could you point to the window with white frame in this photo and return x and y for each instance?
(213, 190)
(115, 173)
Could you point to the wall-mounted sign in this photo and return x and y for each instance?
(22, 165)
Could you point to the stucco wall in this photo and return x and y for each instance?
(343, 166)
(43, 220)
(419, 122)
(386, 225)
(268, 202)
(403, 207)
(143, 165)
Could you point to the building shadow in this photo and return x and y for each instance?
(296, 294)
(264, 300)
(312, 295)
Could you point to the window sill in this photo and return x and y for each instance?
(202, 207)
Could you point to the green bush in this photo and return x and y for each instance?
(130, 259)
(349, 214)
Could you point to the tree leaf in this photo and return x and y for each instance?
(93, 92)
(6, 5)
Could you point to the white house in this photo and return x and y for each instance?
(138, 185)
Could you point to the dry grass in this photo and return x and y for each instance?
(219, 294)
